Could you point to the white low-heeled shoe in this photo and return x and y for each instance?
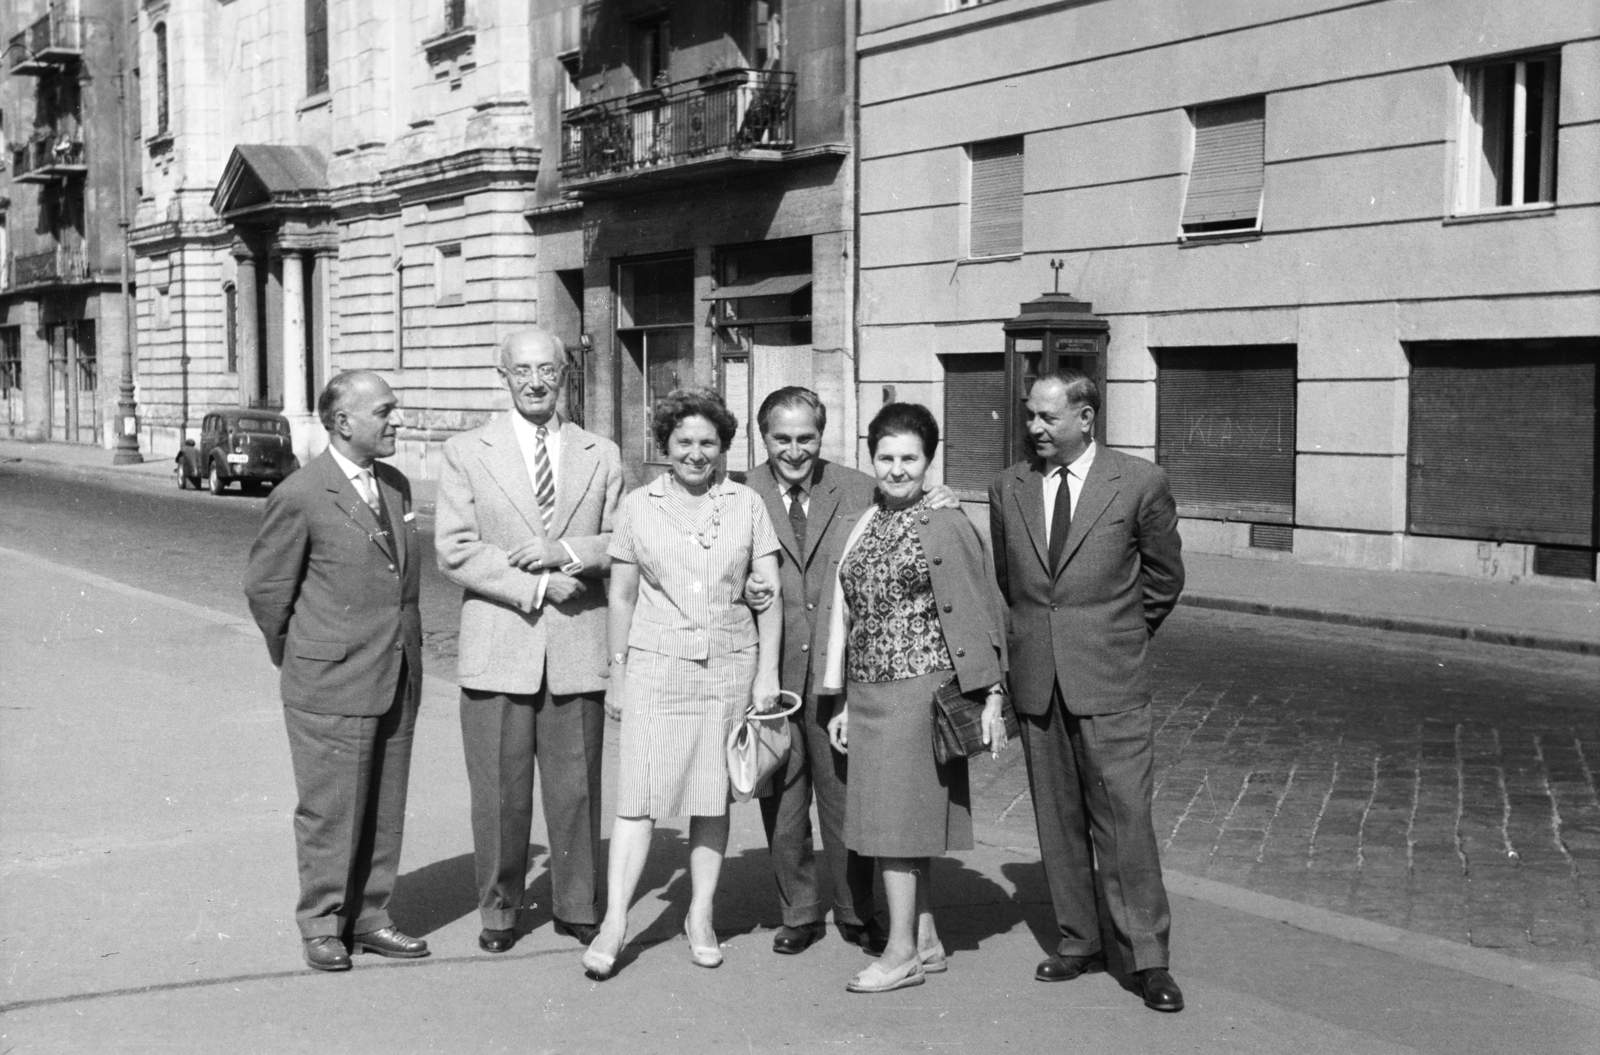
(879, 979)
(933, 959)
(703, 955)
(598, 965)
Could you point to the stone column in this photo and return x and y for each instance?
(249, 322)
(295, 406)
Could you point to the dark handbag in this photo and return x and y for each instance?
(958, 722)
(758, 746)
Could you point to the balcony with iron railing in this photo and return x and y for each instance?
(53, 41)
(686, 129)
(47, 158)
(64, 265)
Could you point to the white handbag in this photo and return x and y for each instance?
(758, 747)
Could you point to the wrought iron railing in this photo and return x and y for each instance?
(725, 113)
(57, 266)
(56, 33)
(49, 155)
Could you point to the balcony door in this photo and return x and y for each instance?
(74, 382)
(655, 329)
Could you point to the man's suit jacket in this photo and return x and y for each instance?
(335, 600)
(486, 509)
(839, 495)
(1087, 622)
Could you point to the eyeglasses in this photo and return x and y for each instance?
(549, 373)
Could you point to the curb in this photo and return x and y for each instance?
(1489, 635)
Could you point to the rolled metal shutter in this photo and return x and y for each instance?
(1502, 442)
(1227, 173)
(1225, 430)
(974, 420)
(996, 201)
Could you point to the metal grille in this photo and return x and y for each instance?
(1272, 536)
(1502, 441)
(1226, 176)
(974, 420)
(996, 198)
(1564, 562)
(1225, 421)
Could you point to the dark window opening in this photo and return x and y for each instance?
(316, 46)
(162, 110)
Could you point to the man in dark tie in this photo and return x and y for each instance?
(1088, 558)
(333, 583)
(524, 518)
(813, 504)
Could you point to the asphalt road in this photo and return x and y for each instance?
(1445, 787)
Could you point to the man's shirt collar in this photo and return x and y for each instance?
(1079, 466)
(350, 469)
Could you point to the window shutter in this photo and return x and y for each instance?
(1503, 441)
(1225, 430)
(1226, 175)
(974, 420)
(996, 198)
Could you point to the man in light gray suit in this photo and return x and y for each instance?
(523, 520)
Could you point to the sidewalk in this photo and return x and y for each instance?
(1523, 614)
(147, 862)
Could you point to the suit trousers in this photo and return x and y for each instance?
(503, 735)
(1092, 780)
(351, 774)
(814, 768)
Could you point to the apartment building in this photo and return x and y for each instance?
(1337, 263)
(67, 111)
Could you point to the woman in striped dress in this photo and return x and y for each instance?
(687, 656)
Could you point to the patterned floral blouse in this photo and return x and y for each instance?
(894, 622)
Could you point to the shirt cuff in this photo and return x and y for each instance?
(538, 590)
(574, 563)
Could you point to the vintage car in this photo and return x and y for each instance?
(250, 446)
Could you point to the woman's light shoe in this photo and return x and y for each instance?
(876, 979)
(933, 959)
(703, 955)
(598, 965)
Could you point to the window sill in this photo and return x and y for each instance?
(452, 37)
(988, 259)
(1195, 241)
(161, 141)
(1510, 212)
(313, 102)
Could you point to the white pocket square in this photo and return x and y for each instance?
(409, 517)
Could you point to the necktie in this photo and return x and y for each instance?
(544, 480)
(374, 499)
(797, 514)
(1060, 520)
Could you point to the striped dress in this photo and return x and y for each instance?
(692, 644)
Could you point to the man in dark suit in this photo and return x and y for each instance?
(813, 504)
(1088, 558)
(524, 518)
(332, 583)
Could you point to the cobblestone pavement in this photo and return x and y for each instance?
(1440, 786)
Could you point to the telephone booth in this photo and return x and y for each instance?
(1054, 331)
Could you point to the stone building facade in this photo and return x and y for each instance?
(62, 312)
(1344, 254)
(331, 185)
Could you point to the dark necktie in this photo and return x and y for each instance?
(380, 509)
(1060, 520)
(797, 514)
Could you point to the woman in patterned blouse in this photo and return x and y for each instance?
(687, 657)
(915, 605)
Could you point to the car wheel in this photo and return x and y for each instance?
(183, 477)
(218, 484)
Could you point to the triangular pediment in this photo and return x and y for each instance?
(271, 178)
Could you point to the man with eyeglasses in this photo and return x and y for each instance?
(523, 520)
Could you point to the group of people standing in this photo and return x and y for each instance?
(671, 609)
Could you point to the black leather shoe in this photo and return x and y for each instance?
(387, 941)
(492, 940)
(792, 940)
(584, 932)
(1160, 992)
(327, 954)
(1066, 968)
(869, 936)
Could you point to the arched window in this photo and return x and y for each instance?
(161, 78)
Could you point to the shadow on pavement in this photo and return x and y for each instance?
(435, 895)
